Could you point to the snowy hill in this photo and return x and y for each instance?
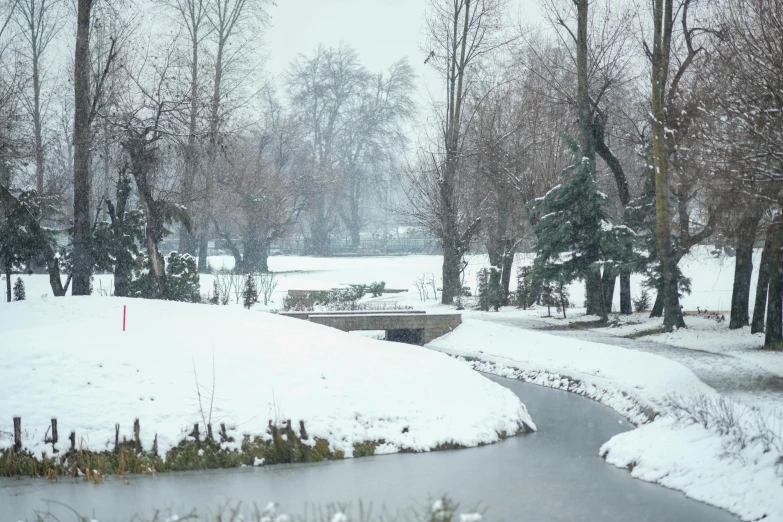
(69, 358)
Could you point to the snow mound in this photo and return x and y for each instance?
(694, 460)
(69, 359)
(646, 377)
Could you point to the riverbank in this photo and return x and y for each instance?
(554, 474)
(689, 438)
(190, 386)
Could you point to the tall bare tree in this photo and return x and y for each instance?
(192, 15)
(39, 22)
(459, 34)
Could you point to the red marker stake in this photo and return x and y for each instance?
(123, 317)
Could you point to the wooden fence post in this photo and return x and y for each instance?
(137, 435)
(17, 433)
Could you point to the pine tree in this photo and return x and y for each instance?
(561, 295)
(548, 297)
(19, 290)
(250, 295)
(642, 303)
(575, 237)
(215, 297)
(524, 288)
(482, 290)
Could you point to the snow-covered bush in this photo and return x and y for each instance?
(376, 288)
(19, 290)
(182, 278)
(250, 295)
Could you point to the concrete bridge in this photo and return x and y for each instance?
(405, 326)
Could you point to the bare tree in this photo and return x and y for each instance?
(459, 34)
(229, 23)
(39, 22)
(192, 15)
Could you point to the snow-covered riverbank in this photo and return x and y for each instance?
(716, 451)
(69, 359)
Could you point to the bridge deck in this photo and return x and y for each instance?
(415, 326)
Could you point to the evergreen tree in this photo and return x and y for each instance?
(21, 237)
(215, 297)
(642, 303)
(548, 297)
(250, 295)
(575, 237)
(561, 295)
(19, 290)
(524, 288)
(482, 289)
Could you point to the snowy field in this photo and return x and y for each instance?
(711, 276)
(69, 359)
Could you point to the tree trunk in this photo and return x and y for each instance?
(37, 125)
(662, 12)
(186, 239)
(762, 286)
(626, 307)
(774, 328)
(203, 250)
(743, 270)
(609, 280)
(53, 266)
(657, 309)
(593, 296)
(8, 283)
(82, 233)
(505, 280)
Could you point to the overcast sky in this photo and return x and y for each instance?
(382, 31)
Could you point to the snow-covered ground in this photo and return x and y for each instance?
(727, 466)
(69, 358)
(701, 461)
(711, 276)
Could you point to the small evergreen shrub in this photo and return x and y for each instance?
(642, 303)
(548, 297)
(19, 290)
(524, 294)
(482, 290)
(214, 298)
(250, 295)
(561, 295)
(488, 289)
(182, 277)
(376, 288)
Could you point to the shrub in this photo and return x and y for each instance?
(524, 294)
(215, 297)
(19, 290)
(642, 303)
(250, 295)
(548, 297)
(266, 282)
(561, 296)
(376, 288)
(183, 279)
(181, 275)
(488, 289)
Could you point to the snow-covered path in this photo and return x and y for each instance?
(731, 376)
